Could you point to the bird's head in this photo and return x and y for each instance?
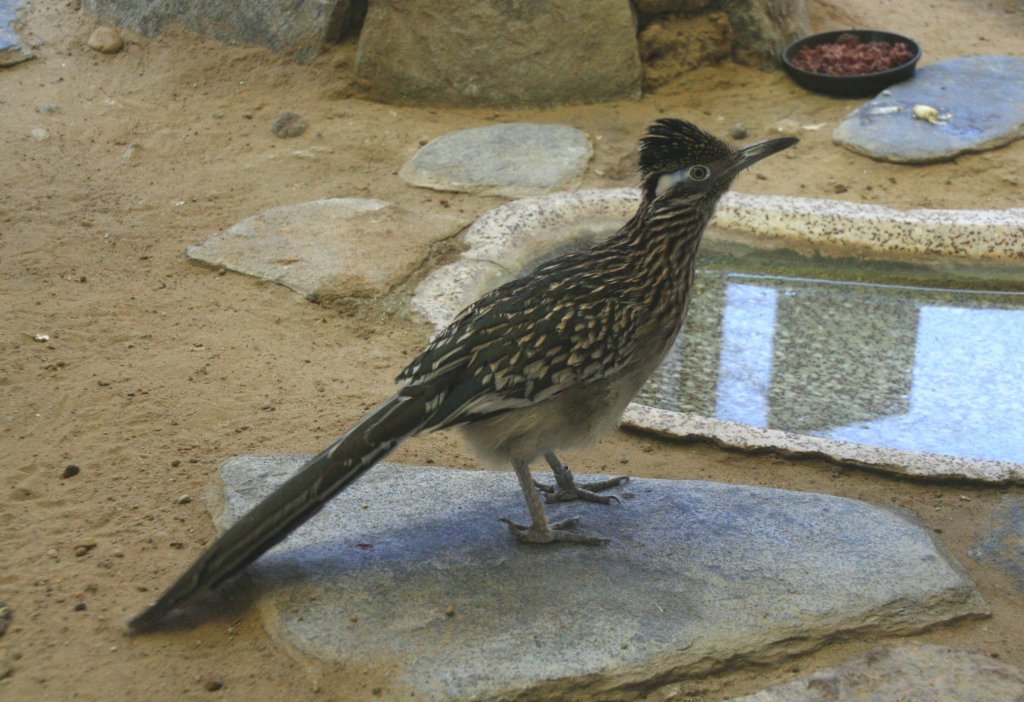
(682, 164)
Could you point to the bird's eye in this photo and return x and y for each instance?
(698, 173)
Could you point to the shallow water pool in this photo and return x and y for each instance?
(829, 353)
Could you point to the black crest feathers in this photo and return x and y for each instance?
(672, 143)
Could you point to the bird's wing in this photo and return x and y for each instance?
(523, 343)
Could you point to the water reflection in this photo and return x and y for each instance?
(908, 368)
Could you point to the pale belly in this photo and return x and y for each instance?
(574, 418)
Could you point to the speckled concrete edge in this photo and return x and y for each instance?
(972, 234)
(685, 426)
(517, 232)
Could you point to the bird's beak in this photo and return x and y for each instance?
(747, 156)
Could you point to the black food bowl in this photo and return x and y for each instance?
(853, 85)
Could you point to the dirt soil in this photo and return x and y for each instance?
(156, 369)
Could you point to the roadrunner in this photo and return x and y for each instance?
(540, 364)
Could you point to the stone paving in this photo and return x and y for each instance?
(510, 160)
(410, 572)
(329, 249)
(961, 91)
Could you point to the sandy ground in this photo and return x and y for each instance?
(157, 369)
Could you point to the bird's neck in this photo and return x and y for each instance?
(663, 243)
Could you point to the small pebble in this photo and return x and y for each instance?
(106, 40)
(84, 548)
(70, 471)
(183, 500)
(80, 607)
(49, 107)
(213, 685)
(739, 131)
(40, 134)
(175, 463)
(289, 125)
(787, 127)
(449, 611)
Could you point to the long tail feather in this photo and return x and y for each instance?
(295, 501)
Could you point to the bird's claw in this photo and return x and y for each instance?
(556, 531)
(587, 492)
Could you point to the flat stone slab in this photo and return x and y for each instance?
(1003, 545)
(408, 577)
(12, 49)
(329, 249)
(980, 102)
(512, 160)
(912, 673)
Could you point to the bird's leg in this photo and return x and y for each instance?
(540, 530)
(565, 488)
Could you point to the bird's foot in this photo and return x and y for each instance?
(557, 531)
(585, 491)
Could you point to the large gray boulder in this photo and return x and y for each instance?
(301, 28)
(660, 7)
(680, 35)
(762, 28)
(498, 52)
(409, 582)
(675, 44)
